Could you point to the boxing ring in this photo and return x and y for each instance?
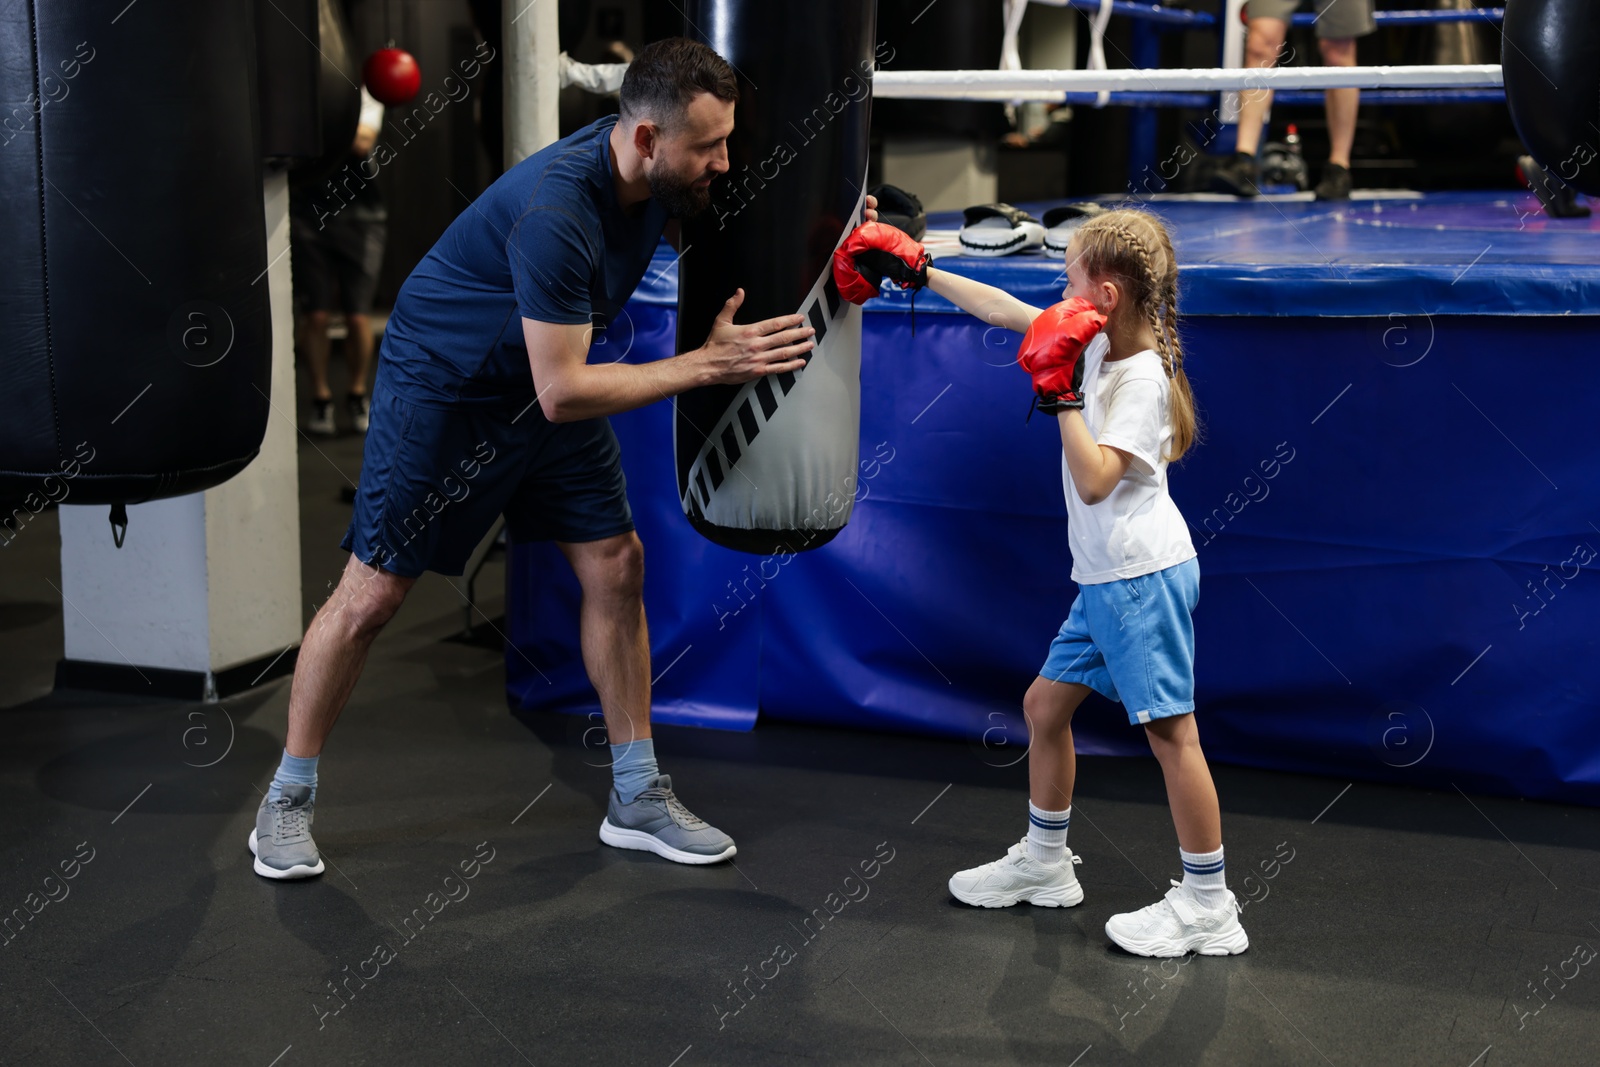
(1394, 505)
(1393, 500)
(1150, 22)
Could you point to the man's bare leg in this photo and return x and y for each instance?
(612, 631)
(335, 650)
(616, 652)
(331, 657)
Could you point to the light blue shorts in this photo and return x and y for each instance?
(1132, 640)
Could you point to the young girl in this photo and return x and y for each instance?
(1128, 635)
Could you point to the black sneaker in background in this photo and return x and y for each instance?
(1335, 183)
(1237, 176)
(321, 420)
(357, 406)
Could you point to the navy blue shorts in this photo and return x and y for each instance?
(433, 481)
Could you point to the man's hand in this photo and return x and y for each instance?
(871, 213)
(736, 354)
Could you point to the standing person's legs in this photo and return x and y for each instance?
(335, 650)
(360, 237)
(407, 519)
(1191, 795)
(1147, 632)
(1048, 708)
(315, 344)
(358, 346)
(1339, 23)
(613, 632)
(1342, 104)
(575, 494)
(1039, 868)
(331, 657)
(311, 256)
(1263, 45)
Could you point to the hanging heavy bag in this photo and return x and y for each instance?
(1550, 60)
(138, 348)
(770, 466)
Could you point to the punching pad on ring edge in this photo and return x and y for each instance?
(770, 466)
(1551, 64)
(138, 346)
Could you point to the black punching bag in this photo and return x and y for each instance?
(137, 346)
(1551, 64)
(770, 466)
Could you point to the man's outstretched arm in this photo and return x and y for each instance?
(571, 388)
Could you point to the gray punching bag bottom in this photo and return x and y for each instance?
(770, 467)
(777, 472)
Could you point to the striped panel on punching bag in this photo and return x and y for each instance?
(770, 466)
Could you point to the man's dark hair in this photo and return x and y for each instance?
(667, 74)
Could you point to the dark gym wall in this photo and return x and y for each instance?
(439, 162)
(442, 162)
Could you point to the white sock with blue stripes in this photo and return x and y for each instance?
(1205, 877)
(1047, 833)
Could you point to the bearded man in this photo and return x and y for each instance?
(485, 404)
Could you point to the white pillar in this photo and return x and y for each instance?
(204, 595)
(532, 78)
(1233, 34)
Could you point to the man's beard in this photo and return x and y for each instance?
(679, 196)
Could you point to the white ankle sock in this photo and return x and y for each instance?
(1047, 833)
(1204, 876)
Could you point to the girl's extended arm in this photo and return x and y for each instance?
(994, 306)
(1096, 469)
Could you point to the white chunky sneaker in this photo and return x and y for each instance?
(1177, 924)
(1019, 878)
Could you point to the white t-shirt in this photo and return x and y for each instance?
(1137, 529)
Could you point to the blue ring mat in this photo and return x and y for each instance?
(1455, 253)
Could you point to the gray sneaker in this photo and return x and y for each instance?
(281, 841)
(658, 822)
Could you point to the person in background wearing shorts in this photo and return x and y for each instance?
(485, 404)
(1339, 23)
(337, 253)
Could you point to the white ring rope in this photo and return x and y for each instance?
(1050, 84)
(1008, 84)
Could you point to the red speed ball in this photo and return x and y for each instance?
(392, 76)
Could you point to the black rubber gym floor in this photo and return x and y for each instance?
(469, 915)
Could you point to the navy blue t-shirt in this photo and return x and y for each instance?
(547, 241)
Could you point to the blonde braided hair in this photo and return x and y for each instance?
(1133, 250)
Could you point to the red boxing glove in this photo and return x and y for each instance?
(1052, 351)
(876, 250)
